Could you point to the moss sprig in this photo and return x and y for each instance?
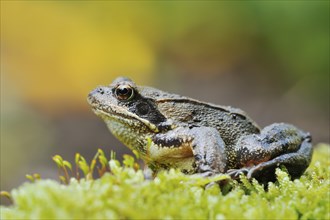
(122, 191)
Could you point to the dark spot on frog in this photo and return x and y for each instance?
(164, 126)
(142, 108)
(237, 116)
(198, 157)
(192, 126)
(145, 108)
(167, 142)
(197, 120)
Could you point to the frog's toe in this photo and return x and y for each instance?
(207, 174)
(235, 173)
(250, 174)
(254, 171)
(148, 174)
(209, 185)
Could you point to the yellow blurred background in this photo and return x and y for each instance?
(269, 58)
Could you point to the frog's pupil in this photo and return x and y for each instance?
(123, 91)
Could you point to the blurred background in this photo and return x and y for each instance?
(269, 58)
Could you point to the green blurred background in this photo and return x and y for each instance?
(269, 58)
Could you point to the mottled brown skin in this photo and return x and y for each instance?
(170, 130)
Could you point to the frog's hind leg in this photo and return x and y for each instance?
(277, 144)
(296, 163)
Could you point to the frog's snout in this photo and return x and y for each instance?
(98, 94)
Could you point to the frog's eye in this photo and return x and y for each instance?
(124, 92)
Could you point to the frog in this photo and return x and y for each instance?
(173, 131)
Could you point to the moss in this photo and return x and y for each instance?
(125, 193)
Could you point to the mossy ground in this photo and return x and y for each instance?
(124, 193)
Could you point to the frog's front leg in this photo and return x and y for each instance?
(276, 145)
(201, 144)
(209, 150)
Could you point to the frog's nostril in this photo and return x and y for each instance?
(100, 90)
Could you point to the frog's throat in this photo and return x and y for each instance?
(119, 116)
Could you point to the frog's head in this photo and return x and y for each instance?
(129, 113)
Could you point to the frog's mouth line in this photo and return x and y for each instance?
(117, 114)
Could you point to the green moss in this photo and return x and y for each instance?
(124, 193)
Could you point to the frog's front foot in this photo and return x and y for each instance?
(148, 173)
(235, 173)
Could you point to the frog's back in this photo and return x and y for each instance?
(232, 123)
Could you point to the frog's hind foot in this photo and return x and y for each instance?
(235, 173)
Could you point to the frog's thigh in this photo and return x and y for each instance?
(296, 163)
(277, 144)
(208, 149)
